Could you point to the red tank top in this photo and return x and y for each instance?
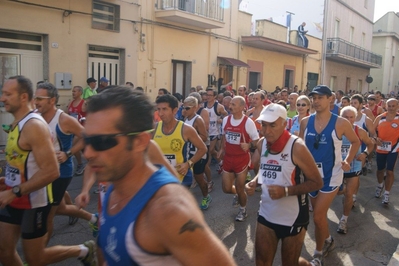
(234, 135)
(76, 111)
(374, 111)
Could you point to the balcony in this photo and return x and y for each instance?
(195, 13)
(347, 53)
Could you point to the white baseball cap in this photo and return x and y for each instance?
(272, 112)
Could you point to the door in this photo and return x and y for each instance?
(312, 80)
(9, 66)
(289, 78)
(102, 67)
(254, 78)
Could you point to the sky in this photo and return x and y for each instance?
(310, 11)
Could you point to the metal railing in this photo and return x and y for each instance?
(338, 46)
(212, 9)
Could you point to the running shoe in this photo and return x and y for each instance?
(210, 186)
(193, 184)
(94, 226)
(220, 167)
(72, 220)
(354, 201)
(235, 201)
(205, 202)
(386, 199)
(378, 191)
(80, 169)
(317, 260)
(242, 214)
(328, 247)
(342, 228)
(91, 257)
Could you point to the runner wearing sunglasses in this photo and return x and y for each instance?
(147, 217)
(64, 128)
(322, 133)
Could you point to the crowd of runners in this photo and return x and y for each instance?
(298, 148)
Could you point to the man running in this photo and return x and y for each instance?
(322, 133)
(239, 135)
(147, 217)
(31, 166)
(284, 210)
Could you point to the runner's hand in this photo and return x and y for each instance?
(82, 200)
(250, 187)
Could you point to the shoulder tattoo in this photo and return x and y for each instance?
(190, 226)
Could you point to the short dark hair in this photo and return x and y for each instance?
(345, 98)
(165, 91)
(170, 99)
(139, 89)
(357, 97)
(210, 89)
(130, 84)
(24, 85)
(178, 96)
(51, 90)
(137, 109)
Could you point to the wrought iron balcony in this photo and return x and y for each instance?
(198, 13)
(346, 52)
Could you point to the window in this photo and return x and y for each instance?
(333, 81)
(105, 16)
(351, 33)
(363, 39)
(393, 61)
(336, 28)
(359, 85)
(366, 3)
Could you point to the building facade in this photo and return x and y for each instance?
(348, 32)
(386, 43)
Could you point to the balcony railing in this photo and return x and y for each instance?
(344, 49)
(212, 9)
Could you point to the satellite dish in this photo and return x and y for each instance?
(369, 79)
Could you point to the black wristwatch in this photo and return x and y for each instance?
(17, 191)
(68, 154)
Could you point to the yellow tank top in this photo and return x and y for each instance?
(171, 144)
(21, 166)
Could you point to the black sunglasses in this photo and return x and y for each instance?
(187, 108)
(107, 141)
(317, 142)
(303, 105)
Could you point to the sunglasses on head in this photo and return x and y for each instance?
(187, 108)
(107, 141)
(303, 104)
(317, 141)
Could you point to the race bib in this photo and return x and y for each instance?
(212, 124)
(172, 159)
(320, 168)
(344, 150)
(385, 146)
(75, 115)
(13, 177)
(233, 138)
(269, 174)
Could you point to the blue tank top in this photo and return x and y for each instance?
(63, 142)
(114, 229)
(356, 165)
(326, 150)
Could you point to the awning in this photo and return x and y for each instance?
(233, 62)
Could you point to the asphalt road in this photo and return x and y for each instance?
(372, 236)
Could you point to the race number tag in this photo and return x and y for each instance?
(385, 146)
(233, 138)
(269, 174)
(344, 150)
(320, 168)
(13, 177)
(172, 159)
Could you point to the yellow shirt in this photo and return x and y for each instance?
(171, 144)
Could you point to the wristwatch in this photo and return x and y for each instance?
(17, 191)
(190, 163)
(68, 154)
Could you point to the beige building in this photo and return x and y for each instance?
(172, 44)
(386, 43)
(348, 32)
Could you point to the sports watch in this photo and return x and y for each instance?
(17, 191)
